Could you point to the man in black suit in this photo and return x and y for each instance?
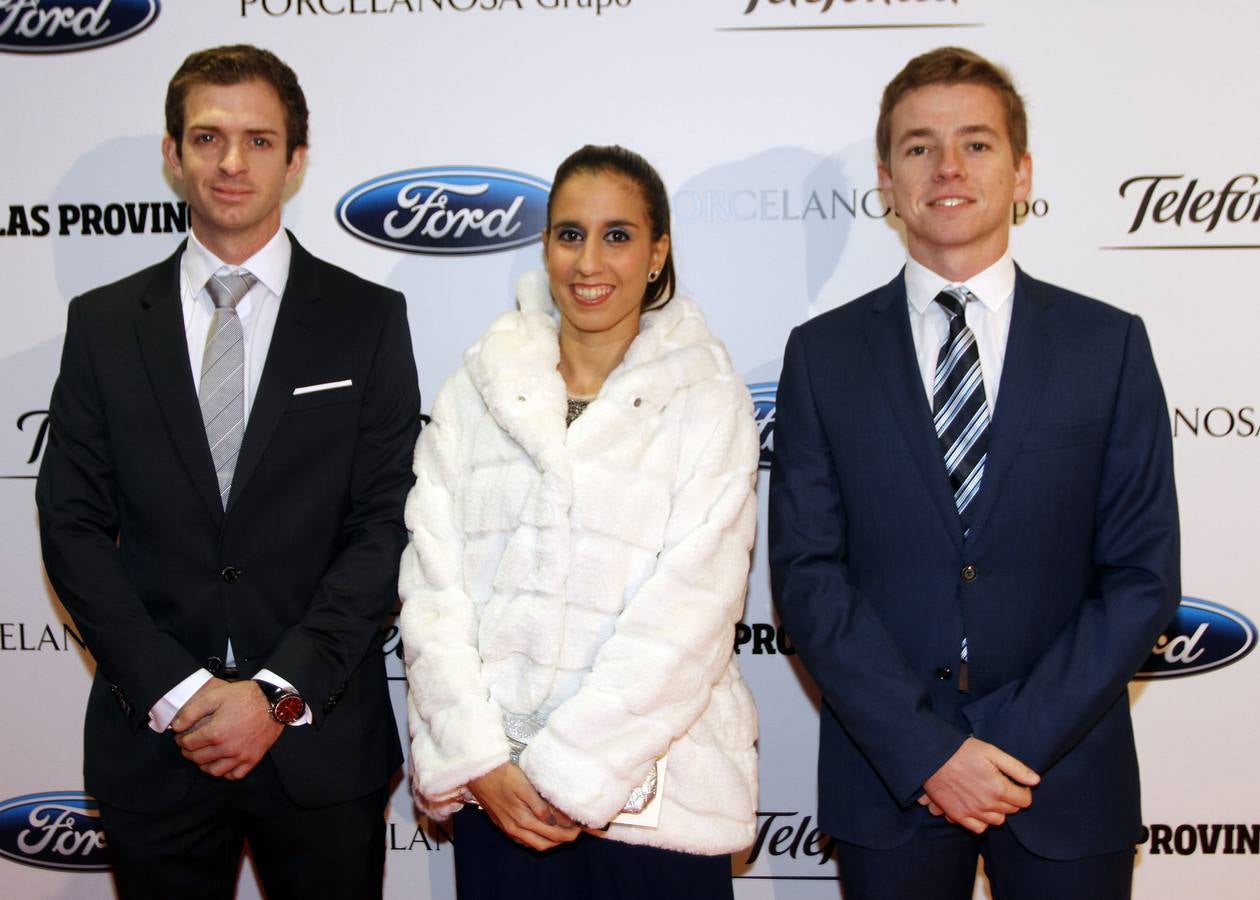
(973, 531)
(221, 513)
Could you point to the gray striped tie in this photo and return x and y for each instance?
(222, 391)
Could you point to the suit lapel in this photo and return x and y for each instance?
(164, 348)
(892, 350)
(1029, 349)
(296, 322)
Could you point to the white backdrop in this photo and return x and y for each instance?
(759, 114)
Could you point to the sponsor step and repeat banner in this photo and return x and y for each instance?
(436, 126)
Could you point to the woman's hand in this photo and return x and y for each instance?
(517, 809)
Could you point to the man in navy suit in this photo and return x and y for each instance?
(973, 531)
(221, 513)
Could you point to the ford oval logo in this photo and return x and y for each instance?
(763, 396)
(1202, 636)
(58, 26)
(53, 831)
(448, 210)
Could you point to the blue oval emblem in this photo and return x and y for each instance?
(764, 394)
(59, 830)
(448, 210)
(1202, 636)
(60, 26)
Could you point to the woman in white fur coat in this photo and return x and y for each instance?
(580, 534)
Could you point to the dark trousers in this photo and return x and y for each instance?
(939, 863)
(193, 851)
(490, 866)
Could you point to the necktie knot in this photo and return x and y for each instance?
(226, 288)
(953, 300)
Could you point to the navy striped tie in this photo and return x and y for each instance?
(959, 408)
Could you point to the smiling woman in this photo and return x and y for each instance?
(602, 254)
(582, 520)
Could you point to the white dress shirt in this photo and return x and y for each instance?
(257, 311)
(989, 320)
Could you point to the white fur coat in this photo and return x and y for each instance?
(593, 575)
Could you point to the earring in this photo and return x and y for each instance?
(652, 275)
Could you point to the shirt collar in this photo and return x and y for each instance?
(993, 287)
(270, 265)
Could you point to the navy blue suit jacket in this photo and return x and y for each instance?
(1074, 545)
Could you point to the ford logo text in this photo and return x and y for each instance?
(58, 830)
(448, 210)
(58, 26)
(1202, 636)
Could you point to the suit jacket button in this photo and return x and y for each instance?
(230, 574)
(943, 673)
(968, 573)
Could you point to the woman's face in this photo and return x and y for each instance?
(599, 251)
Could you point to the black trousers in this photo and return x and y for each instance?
(193, 852)
(491, 866)
(939, 863)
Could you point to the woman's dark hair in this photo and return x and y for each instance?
(595, 159)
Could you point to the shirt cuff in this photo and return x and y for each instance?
(272, 678)
(173, 700)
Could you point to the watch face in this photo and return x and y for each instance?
(288, 709)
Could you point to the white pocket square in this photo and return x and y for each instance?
(326, 386)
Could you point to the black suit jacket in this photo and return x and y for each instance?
(1069, 574)
(299, 571)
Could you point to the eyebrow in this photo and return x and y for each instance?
(966, 130)
(196, 126)
(615, 223)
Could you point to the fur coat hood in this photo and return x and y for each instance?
(587, 577)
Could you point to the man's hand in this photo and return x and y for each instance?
(979, 786)
(226, 728)
(512, 804)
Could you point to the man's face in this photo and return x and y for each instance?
(232, 162)
(952, 176)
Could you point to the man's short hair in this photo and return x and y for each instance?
(236, 64)
(952, 65)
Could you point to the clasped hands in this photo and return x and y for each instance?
(519, 811)
(979, 786)
(226, 728)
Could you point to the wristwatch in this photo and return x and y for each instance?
(287, 705)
